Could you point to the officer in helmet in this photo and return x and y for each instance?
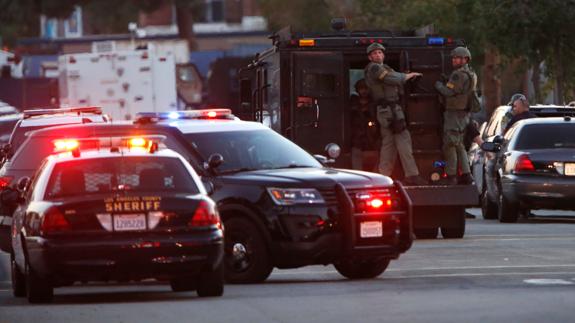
(456, 92)
(386, 85)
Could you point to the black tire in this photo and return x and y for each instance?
(427, 233)
(38, 290)
(211, 284)
(247, 259)
(456, 229)
(508, 211)
(18, 279)
(361, 269)
(183, 284)
(488, 208)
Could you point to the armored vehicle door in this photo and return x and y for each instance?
(317, 102)
(424, 112)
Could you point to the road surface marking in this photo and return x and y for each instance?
(548, 281)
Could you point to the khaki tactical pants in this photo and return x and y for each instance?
(454, 123)
(392, 144)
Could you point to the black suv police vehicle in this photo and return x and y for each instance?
(282, 208)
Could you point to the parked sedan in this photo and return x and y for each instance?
(482, 164)
(533, 168)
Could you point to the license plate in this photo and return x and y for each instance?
(130, 222)
(570, 169)
(371, 229)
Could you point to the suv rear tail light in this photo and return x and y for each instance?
(54, 221)
(524, 165)
(5, 181)
(205, 215)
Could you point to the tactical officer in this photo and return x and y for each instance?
(456, 92)
(386, 85)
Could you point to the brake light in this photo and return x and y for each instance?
(205, 215)
(523, 164)
(5, 181)
(54, 221)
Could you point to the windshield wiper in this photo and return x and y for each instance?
(237, 170)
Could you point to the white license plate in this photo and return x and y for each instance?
(370, 229)
(129, 222)
(570, 169)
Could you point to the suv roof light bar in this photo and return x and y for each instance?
(202, 114)
(76, 110)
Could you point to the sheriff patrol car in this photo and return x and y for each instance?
(117, 209)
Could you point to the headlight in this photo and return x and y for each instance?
(290, 196)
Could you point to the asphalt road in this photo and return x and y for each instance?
(523, 272)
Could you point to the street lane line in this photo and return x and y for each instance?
(308, 272)
(548, 281)
(468, 275)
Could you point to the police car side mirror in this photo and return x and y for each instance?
(23, 183)
(491, 146)
(498, 139)
(215, 160)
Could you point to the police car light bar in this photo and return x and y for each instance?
(148, 142)
(76, 110)
(185, 114)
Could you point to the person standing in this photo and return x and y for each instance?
(456, 92)
(386, 85)
(364, 133)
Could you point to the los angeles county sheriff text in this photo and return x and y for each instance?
(133, 203)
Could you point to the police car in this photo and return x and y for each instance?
(283, 208)
(114, 209)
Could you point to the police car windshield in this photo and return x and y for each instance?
(112, 175)
(251, 150)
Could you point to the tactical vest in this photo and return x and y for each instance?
(380, 90)
(459, 101)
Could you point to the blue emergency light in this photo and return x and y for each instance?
(435, 41)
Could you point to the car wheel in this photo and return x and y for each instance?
(183, 284)
(18, 279)
(508, 211)
(247, 259)
(361, 269)
(456, 229)
(426, 233)
(38, 290)
(488, 207)
(211, 284)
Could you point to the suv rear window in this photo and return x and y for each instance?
(546, 136)
(107, 175)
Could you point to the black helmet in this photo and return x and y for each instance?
(375, 46)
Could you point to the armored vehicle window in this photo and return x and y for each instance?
(107, 175)
(546, 136)
(319, 83)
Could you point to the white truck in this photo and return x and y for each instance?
(123, 82)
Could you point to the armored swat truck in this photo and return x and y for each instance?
(301, 87)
